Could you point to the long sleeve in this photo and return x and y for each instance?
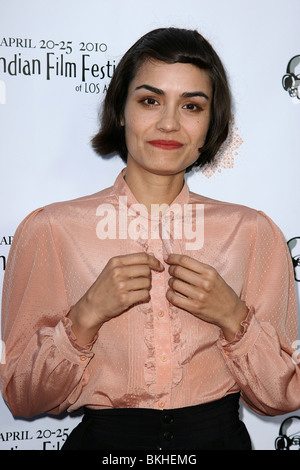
(262, 359)
(39, 346)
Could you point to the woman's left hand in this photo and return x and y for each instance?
(199, 289)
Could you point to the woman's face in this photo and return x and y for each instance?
(166, 117)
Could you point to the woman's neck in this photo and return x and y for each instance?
(150, 188)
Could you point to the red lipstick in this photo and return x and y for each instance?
(166, 144)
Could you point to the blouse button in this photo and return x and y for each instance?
(161, 404)
(161, 313)
(164, 357)
(83, 358)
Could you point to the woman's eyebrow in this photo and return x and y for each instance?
(191, 94)
(152, 89)
(187, 94)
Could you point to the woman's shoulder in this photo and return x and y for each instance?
(234, 211)
(82, 201)
(224, 206)
(62, 211)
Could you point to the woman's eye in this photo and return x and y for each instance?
(149, 101)
(192, 107)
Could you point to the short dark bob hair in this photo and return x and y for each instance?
(169, 45)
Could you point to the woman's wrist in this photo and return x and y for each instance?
(233, 325)
(85, 324)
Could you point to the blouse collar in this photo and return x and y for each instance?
(122, 189)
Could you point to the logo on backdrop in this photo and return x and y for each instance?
(84, 64)
(294, 247)
(289, 434)
(291, 80)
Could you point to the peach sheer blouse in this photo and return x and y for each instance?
(154, 355)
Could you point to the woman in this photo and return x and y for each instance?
(151, 306)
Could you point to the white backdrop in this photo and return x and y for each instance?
(56, 58)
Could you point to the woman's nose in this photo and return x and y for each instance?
(169, 120)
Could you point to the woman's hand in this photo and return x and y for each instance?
(125, 280)
(199, 289)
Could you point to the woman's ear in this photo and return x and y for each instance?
(122, 121)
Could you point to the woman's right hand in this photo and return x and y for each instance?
(125, 281)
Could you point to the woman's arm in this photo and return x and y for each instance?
(262, 360)
(48, 342)
(43, 368)
(257, 330)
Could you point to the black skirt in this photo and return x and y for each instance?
(210, 426)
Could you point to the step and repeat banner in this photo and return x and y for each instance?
(56, 61)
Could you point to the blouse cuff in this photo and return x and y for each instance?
(67, 323)
(240, 333)
(65, 341)
(244, 341)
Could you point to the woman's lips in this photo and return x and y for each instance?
(165, 144)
